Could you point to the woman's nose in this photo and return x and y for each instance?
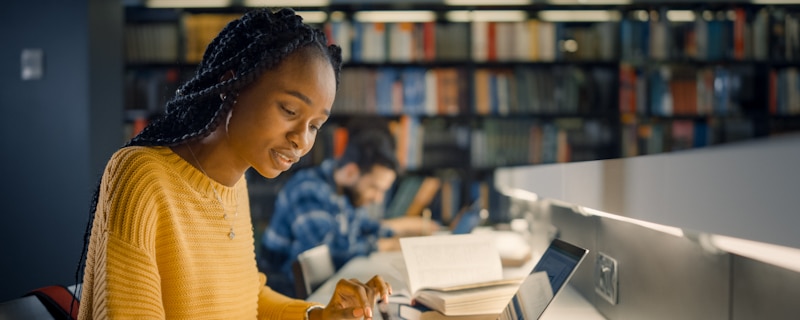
(301, 137)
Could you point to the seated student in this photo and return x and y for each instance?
(170, 234)
(326, 205)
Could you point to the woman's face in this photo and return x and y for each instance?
(276, 119)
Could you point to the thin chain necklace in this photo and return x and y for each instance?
(231, 234)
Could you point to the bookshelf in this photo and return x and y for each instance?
(713, 74)
(466, 94)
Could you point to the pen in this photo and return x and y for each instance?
(426, 221)
(383, 308)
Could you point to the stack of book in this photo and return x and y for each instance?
(458, 274)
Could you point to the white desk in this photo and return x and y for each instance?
(568, 305)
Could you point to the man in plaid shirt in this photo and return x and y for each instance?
(326, 204)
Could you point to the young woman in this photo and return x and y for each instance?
(170, 235)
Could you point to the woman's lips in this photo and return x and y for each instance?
(282, 161)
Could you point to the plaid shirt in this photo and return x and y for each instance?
(309, 212)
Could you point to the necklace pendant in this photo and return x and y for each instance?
(231, 234)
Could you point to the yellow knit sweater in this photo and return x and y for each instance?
(160, 249)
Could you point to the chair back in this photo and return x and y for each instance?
(55, 302)
(311, 269)
(28, 307)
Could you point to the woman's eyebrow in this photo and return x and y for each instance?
(299, 95)
(305, 99)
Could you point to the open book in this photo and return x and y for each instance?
(457, 274)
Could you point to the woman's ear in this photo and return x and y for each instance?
(225, 77)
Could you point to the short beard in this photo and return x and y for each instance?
(351, 195)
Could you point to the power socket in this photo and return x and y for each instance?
(605, 277)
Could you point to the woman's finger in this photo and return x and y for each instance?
(381, 287)
(354, 298)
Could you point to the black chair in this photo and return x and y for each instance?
(51, 302)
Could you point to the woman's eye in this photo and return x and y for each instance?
(290, 112)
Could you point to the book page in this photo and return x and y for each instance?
(450, 260)
(486, 300)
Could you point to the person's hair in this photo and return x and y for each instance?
(368, 147)
(248, 46)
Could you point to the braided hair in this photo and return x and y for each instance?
(248, 46)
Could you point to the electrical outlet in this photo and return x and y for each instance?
(32, 64)
(605, 277)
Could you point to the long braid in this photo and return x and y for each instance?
(248, 46)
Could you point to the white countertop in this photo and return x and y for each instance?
(569, 304)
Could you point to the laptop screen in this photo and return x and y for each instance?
(559, 261)
(469, 219)
(556, 266)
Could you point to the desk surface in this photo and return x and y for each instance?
(569, 304)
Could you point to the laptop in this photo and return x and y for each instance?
(469, 219)
(547, 279)
(557, 265)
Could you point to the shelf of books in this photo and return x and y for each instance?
(707, 75)
(526, 86)
(497, 93)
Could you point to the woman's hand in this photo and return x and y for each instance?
(354, 300)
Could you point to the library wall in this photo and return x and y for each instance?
(662, 276)
(58, 132)
(742, 190)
